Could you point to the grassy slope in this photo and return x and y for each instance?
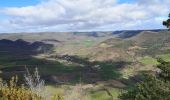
(166, 57)
(152, 61)
(155, 42)
(148, 61)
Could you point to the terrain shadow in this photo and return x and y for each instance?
(14, 55)
(56, 72)
(21, 47)
(97, 70)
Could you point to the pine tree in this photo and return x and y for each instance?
(167, 22)
(165, 70)
(152, 88)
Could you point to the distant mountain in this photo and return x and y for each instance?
(63, 36)
(131, 33)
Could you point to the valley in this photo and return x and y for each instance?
(105, 64)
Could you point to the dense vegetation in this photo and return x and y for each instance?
(153, 87)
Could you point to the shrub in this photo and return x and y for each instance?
(35, 89)
(34, 83)
(10, 91)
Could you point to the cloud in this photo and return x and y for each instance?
(76, 15)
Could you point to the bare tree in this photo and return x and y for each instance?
(36, 84)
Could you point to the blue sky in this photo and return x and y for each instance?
(81, 15)
(22, 3)
(18, 3)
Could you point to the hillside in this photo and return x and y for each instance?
(103, 61)
(154, 42)
(143, 44)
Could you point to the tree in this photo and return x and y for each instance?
(165, 70)
(167, 22)
(153, 87)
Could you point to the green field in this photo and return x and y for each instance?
(148, 61)
(100, 95)
(165, 57)
(86, 43)
(153, 61)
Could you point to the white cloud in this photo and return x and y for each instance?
(72, 15)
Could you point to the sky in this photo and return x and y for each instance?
(81, 15)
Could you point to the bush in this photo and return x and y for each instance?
(10, 91)
(35, 89)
